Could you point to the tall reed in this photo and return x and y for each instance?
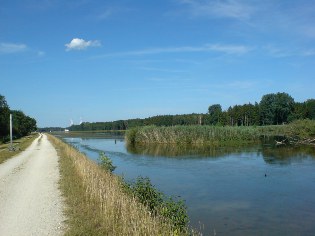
(213, 135)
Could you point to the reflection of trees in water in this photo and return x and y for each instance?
(271, 153)
(173, 150)
(287, 154)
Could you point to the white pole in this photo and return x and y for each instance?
(11, 130)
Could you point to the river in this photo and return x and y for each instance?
(257, 190)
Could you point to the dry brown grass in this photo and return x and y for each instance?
(97, 204)
(19, 144)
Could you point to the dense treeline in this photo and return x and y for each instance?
(273, 109)
(22, 124)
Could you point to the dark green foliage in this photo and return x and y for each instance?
(273, 109)
(310, 109)
(276, 108)
(145, 192)
(4, 118)
(105, 162)
(22, 124)
(215, 112)
(175, 210)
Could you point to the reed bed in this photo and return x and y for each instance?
(97, 203)
(210, 135)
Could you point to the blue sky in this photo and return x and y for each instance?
(109, 60)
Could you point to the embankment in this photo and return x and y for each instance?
(97, 203)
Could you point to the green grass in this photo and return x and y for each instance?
(19, 145)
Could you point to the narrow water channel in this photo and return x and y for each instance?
(258, 190)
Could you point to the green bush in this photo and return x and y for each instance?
(105, 162)
(173, 211)
(145, 192)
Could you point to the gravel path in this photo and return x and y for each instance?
(30, 201)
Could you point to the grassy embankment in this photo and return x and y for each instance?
(217, 136)
(96, 200)
(19, 144)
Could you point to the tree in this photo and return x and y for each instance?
(310, 109)
(284, 107)
(22, 124)
(275, 108)
(267, 109)
(215, 112)
(4, 118)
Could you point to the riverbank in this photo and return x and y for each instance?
(19, 146)
(217, 135)
(97, 203)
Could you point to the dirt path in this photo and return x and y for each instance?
(30, 201)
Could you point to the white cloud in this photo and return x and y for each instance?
(81, 44)
(7, 48)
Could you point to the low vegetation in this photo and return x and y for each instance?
(199, 135)
(218, 135)
(19, 146)
(171, 209)
(100, 203)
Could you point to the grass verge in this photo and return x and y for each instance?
(98, 204)
(19, 144)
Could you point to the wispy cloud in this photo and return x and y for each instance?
(221, 48)
(161, 70)
(8, 48)
(309, 52)
(280, 52)
(213, 8)
(111, 11)
(81, 44)
(41, 53)
(105, 14)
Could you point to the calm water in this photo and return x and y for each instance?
(226, 190)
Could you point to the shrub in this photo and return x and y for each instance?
(173, 211)
(105, 162)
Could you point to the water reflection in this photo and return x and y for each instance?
(271, 153)
(186, 150)
(286, 155)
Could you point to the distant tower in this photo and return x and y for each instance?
(81, 121)
(71, 122)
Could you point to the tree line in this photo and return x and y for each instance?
(22, 124)
(273, 109)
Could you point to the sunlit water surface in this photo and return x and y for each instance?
(259, 190)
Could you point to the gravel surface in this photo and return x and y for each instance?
(30, 201)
